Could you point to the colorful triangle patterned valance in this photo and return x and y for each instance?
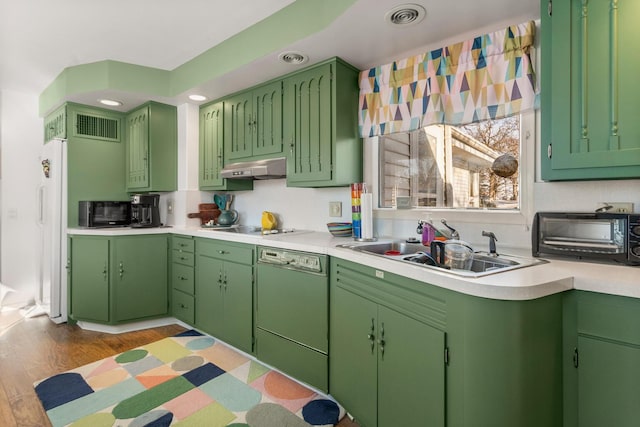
(489, 76)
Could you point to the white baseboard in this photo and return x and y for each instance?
(130, 327)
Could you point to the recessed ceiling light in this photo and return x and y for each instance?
(405, 14)
(197, 97)
(294, 58)
(110, 102)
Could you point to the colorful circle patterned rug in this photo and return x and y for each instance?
(188, 380)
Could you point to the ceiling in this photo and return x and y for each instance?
(40, 38)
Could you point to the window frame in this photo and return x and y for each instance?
(523, 216)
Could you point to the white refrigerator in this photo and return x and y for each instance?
(52, 221)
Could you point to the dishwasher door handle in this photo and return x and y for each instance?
(273, 262)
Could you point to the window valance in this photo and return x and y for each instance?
(489, 76)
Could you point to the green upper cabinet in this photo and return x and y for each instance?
(253, 123)
(321, 126)
(589, 94)
(211, 154)
(152, 148)
(55, 124)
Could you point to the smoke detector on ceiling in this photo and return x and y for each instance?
(294, 58)
(405, 14)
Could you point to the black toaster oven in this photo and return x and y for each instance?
(598, 237)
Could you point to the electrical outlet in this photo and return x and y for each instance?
(617, 207)
(335, 209)
(169, 207)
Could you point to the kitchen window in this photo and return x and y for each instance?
(463, 167)
(486, 167)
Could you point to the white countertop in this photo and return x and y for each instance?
(519, 284)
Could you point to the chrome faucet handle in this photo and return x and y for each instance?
(454, 233)
(492, 241)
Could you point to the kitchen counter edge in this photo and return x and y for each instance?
(519, 284)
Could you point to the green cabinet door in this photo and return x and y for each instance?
(308, 124)
(139, 270)
(411, 371)
(601, 360)
(224, 291)
(211, 145)
(353, 357)
(253, 123)
(138, 149)
(237, 288)
(152, 148)
(267, 113)
(589, 90)
(238, 126)
(211, 151)
(209, 305)
(386, 368)
(608, 383)
(55, 124)
(89, 286)
(320, 122)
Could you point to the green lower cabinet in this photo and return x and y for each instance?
(385, 367)
(89, 285)
(140, 273)
(403, 352)
(118, 279)
(602, 360)
(224, 291)
(183, 278)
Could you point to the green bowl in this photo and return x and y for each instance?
(340, 229)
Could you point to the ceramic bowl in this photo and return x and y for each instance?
(340, 229)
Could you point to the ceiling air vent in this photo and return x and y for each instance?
(293, 58)
(97, 127)
(405, 14)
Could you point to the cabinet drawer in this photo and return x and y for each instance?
(185, 258)
(297, 360)
(183, 306)
(242, 254)
(182, 278)
(185, 244)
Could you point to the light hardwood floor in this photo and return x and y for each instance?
(37, 348)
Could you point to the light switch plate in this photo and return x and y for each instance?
(335, 209)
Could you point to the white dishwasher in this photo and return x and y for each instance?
(292, 313)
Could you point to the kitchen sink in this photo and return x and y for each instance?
(389, 248)
(483, 264)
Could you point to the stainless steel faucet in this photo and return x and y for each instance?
(454, 234)
(492, 241)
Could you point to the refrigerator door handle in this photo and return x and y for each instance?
(41, 195)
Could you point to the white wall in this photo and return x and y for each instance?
(21, 137)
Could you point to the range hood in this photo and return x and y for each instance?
(258, 169)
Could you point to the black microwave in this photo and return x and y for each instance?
(95, 214)
(597, 237)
